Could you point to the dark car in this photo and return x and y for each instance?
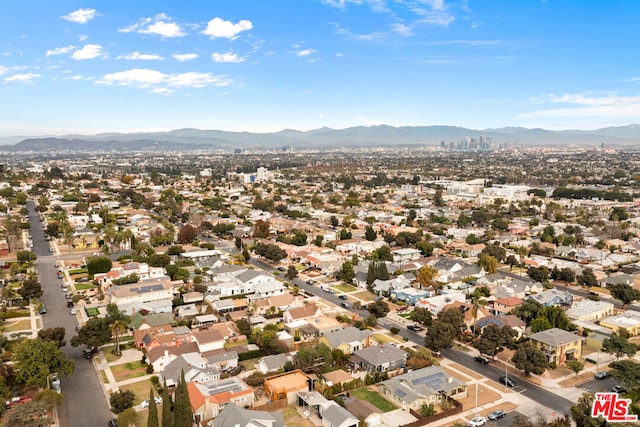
(507, 381)
(87, 354)
(618, 389)
(414, 328)
(346, 305)
(481, 359)
(344, 297)
(113, 422)
(497, 414)
(69, 303)
(43, 310)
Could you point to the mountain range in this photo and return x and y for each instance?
(323, 138)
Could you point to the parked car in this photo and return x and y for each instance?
(43, 310)
(481, 359)
(87, 354)
(618, 389)
(145, 403)
(414, 328)
(69, 303)
(346, 305)
(601, 375)
(309, 282)
(402, 308)
(477, 421)
(344, 297)
(507, 381)
(113, 422)
(380, 298)
(497, 414)
(73, 311)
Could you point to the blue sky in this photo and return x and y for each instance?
(266, 65)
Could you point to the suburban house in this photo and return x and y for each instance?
(233, 415)
(208, 339)
(286, 386)
(366, 411)
(159, 336)
(194, 366)
(437, 303)
(422, 387)
(553, 297)
(209, 399)
(347, 340)
(272, 363)
(410, 295)
(157, 295)
(587, 310)
(307, 311)
(629, 321)
(160, 357)
(558, 345)
(509, 320)
(221, 359)
(330, 413)
(504, 306)
(385, 358)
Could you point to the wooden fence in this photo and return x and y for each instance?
(456, 408)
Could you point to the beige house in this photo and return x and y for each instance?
(628, 321)
(587, 310)
(558, 345)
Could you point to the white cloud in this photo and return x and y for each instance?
(218, 28)
(22, 78)
(141, 56)
(588, 105)
(160, 82)
(305, 52)
(184, 57)
(60, 50)
(89, 51)
(160, 24)
(80, 16)
(226, 57)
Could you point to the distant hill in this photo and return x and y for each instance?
(323, 138)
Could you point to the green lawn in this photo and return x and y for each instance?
(92, 311)
(236, 343)
(104, 377)
(77, 271)
(20, 325)
(383, 339)
(345, 288)
(84, 286)
(127, 371)
(374, 398)
(140, 389)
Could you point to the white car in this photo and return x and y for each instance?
(145, 403)
(477, 421)
(73, 311)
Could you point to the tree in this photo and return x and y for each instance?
(347, 273)
(31, 288)
(539, 274)
(477, 300)
(587, 278)
(261, 229)
(529, 359)
(152, 420)
(422, 316)
(624, 293)
(25, 256)
(334, 221)
(619, 346)
(581, 412)
(488, 263)
(575, 365)
(182, 412)
(35, 360)
(369, 233)
(96, 265)
(292, 273)
(378, 308)
(345, 234)
(627, 372)
(118, 327)
(426, 276)
(167, 404)
(128, 418)
(494, 339)
(93, 334)
(29, 414)
(121, 400)
(186, 234)
(618, 213)
(440, 335)
(55, 334)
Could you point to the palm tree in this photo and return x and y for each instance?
(117, 328)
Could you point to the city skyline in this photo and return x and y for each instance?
(90, 67)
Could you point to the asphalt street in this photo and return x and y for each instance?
(84, 401)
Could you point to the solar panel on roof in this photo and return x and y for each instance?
(400, 393)
(434, 381)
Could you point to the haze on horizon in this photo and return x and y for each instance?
(258, 66)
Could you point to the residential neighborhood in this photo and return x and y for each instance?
(312, 295)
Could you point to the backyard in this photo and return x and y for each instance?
(374, 398)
